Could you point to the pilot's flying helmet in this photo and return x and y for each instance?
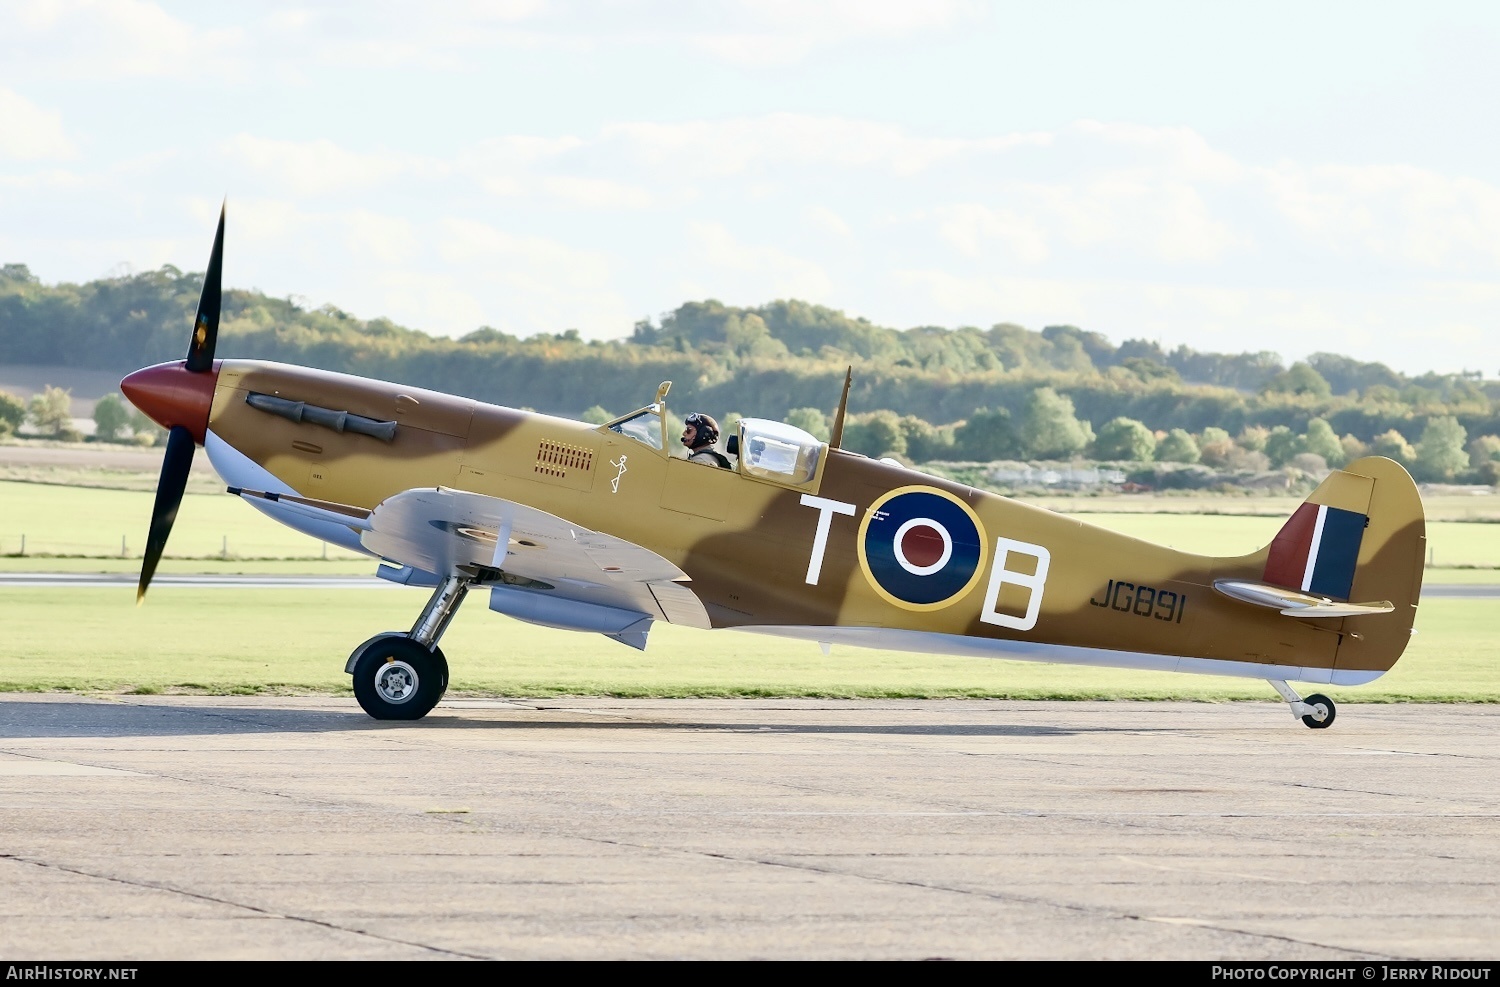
(708, 429)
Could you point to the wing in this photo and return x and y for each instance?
(538, 566)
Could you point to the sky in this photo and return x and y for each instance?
(1233, 176)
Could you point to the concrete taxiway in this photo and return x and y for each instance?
(177, 827)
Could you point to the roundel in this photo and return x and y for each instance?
(921, 548)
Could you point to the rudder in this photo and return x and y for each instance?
(1360, 537)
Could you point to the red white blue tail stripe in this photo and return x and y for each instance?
(1317, 550)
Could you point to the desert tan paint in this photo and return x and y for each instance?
(747, 544)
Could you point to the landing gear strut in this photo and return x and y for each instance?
(402, 676)
(1316, 711)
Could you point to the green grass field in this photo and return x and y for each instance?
(225, 641)
(1451, 543)
(244, 641)
(79, 521)
(82, 521)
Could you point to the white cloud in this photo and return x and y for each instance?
(441, 299)
(1393, 212)
(969, 227)
(448, 35)
(468, 241)
(764, 271)
(386, 240)
(597, 193)
(709, 148)
(772, 32)
(1385, 324)
(1130, 211)
(531, 284)
(318, 167)
(30, 133)
(828, 221)
(1180, 152)
(109, 39)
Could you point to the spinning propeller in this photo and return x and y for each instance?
(178, 396)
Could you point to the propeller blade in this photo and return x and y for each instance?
(200, 355)
(174, 476)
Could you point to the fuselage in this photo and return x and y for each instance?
(805, 558)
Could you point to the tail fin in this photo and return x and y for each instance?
(1360, 536)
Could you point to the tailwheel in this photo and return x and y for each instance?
(1323, 711)
(396, 678)
(1316, 711)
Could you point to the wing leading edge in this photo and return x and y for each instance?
(539, 567)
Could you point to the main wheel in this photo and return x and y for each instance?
(395, 678)
(1321, 704)
(387, 635)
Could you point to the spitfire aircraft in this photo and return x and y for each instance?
(602, 529)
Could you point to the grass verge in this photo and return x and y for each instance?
(229, 641)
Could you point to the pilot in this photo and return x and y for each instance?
(699, 434)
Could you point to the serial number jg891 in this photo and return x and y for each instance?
(1143, 601)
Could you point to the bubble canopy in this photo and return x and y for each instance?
(778, 451)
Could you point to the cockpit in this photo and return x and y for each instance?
(764, 450)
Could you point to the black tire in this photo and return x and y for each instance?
(386, 635)
(395, 678)
(1317, 699)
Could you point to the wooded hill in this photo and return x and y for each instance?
(766, 361)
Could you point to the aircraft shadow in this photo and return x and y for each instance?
(33, 720)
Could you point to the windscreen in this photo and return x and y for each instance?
(643, 426)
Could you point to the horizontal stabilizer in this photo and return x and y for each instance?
(1294, 603)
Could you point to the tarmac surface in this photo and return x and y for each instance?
(162, 827)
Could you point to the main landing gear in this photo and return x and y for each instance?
(1317, 710)
(402, 676)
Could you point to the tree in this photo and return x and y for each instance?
(1177, 447)
(1346, 375)
(1049, 429)
(1440, 451)
(1484, 449)
(1254, 438)
(1124, 439)
(810, 420)
(52, 412)
(924, 441)
(988, 435)
(1299, 379)
(1215, 447)
(1321, 440)
(1282, 444)
(12, 410)
(1393, 445)
(1247, 460)
(1309, 462)
(110, 418)
(597, 416)
(147, 432)
(1353, 448)
(875, 434)
(1484, 458)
